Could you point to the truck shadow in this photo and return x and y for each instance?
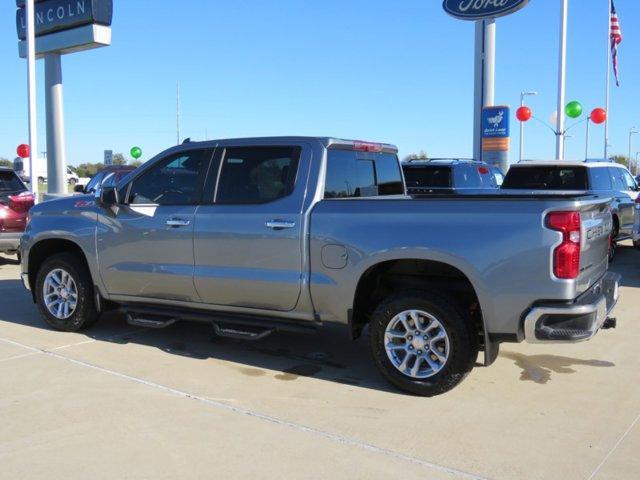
(328, 355)
(9, 260)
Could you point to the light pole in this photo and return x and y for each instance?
(586, 147)
(522, 95)
(632, 132)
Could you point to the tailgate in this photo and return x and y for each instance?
(594, 252)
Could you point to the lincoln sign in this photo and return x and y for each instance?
(481, 9)
(56, 15)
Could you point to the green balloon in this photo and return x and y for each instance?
(573, 109)
(136, 152)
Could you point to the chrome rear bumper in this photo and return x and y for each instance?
(573, 322)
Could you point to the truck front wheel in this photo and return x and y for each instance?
(64, 293)
(421, 343)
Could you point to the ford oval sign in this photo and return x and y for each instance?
(480, 9)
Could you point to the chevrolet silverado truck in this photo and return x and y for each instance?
(291, 233)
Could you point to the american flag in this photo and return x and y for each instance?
(615, 35)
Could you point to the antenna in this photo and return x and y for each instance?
(177, 113)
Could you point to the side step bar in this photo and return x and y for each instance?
(150, 321)
(224, 324)
(241, 332)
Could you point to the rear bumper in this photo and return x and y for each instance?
(9, 241)
(573, 322)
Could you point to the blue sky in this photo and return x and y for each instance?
(400, 72)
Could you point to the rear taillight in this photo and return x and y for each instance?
(483, 170)
(367, 147)
(566, 256)
(21, 203)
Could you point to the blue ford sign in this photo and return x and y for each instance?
(480, 9)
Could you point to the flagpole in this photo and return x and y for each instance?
(608, 83)
(562, 70)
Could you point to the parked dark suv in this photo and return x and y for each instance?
(449, 175)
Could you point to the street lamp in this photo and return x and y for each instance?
(522, 95)
(632, 131)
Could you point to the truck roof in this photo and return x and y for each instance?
(564, 163)
(327, 142)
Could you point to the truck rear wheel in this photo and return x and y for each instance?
(64, 293)
(421, 343)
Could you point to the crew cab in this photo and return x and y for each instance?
(292, 233)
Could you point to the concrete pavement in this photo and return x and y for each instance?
(123, 402)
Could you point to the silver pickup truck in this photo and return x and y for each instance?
(266, 234)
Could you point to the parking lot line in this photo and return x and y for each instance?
(37, 351)
(254, 414)
(614, 448)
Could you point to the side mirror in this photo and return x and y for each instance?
(78, 189)
(108, 196)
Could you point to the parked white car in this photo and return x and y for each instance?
(21, 167)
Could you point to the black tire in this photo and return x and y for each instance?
(40, 180)
(85, 313)
(463, 342)
(636, 244)
(613, 243)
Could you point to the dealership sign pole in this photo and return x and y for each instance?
(484, 13)
(59, 27)
(31, 92)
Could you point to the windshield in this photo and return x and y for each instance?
(546, 178)
(428, 177)
(9, 182)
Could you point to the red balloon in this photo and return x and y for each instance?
(523, 114)
(23, 150)
(598, 116)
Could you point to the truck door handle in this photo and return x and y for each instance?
(279, 224)
(177, 222)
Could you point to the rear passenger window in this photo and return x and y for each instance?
(252, 175)
(362, 174)
(600, 179)
(176, 180)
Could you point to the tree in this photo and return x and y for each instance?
(417, 156)
(88, 169)
(6, 163)
(621, 159)
(135, 163)
(118, 159)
